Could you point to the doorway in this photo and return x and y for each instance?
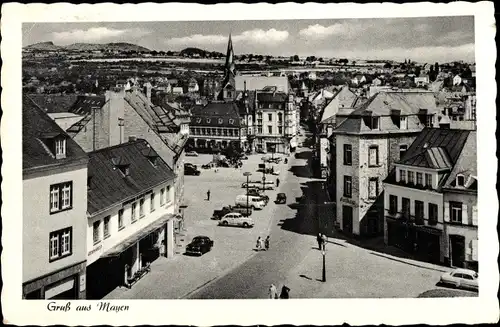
(347, 219)
(457, 251)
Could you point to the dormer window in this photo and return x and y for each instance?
(231, 121)
(125, 170)
(403, 122)
(60, 148)
(89, 182)
(208, 120)
(460, 180)
(375, 123)
(220, 120)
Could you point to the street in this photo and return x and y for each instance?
(234, 270)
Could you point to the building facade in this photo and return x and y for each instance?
(54, 209)
(367, 144)
(431, 199)
(131, 208)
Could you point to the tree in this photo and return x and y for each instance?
(436, 68)
(243, 57)
(388, 65)
(296, 58)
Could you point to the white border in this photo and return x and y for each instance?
(203, 313)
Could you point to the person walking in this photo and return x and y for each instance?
(258, 245)
(262, 245)
(273, 292)
(319, 238)
(277, 182)
(208, 195)
(323, 241)
(285, 292)
(266, 243)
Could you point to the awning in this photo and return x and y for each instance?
(137, 236)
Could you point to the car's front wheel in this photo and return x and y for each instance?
(245, 225)
(224, 223)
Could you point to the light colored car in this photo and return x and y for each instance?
(254, 202)
(461, 278)
(191, 154)
(236, 219)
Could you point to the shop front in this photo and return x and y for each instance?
(65, 284)
(128, 261)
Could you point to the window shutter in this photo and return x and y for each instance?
(465, 215)
(446, 216)
(474, 250)
(474, 215)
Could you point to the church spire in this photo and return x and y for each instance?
(229, 67)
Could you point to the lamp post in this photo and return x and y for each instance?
(247, 174)
(323, 252)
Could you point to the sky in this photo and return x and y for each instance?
(421, 39)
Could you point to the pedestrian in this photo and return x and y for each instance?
(258, 245)
(262, 245)
(277, 182)
(208, 195)
(285, 292)
(273, 292)
(320, 240)
(266, 243)
(162, 248)
(323, 241)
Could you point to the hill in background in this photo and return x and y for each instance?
(121, 46)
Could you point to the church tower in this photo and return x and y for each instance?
(228, 91)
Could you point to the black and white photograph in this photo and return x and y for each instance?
(201, 156)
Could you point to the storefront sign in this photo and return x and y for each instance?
(349, 201)
(50, 292)
(94, 250)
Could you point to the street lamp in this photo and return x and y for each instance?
(323, 252)
(247, 174)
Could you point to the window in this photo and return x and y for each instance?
(460, 180)
(61, 197)
(373, 156)
(405, 206)
(169, 195)
(106, 226)
(373, 188)
(60, 244)
(402, 175)
(152, 202)
(428, 180)
(133, 212)
(402, 150)
(456, 212)
(270, 129)
(60, 148)
(375, 122)
(411, 177)
(270, 117)
(429, 121)
(120, 219)
(141, 207)
(393, 204)
(347, 154)
(420, 179)
(280, 130)
(433, 214)
(403, 122)
(162, 197)
(347, 186)
(259, 129)
(419, 209)
(280, 117)
(97, 231)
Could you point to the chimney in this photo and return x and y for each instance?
(132, 138)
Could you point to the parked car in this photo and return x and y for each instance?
(218, 214)
(199, 245)
(207, 166)
(253, 202)
(191, 154)
(236, 219)
(187, 164)
(280, 198)
(461, 278)
(257, 192)
(190, 170)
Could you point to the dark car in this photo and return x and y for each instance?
(199, 245)
(191, 170)
(256, 192)
(280, 198)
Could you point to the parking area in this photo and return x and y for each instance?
(175, 277)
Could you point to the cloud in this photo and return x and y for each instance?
(255, 36)
(318, 32)
(95, 34)
(197, 39)
(259, 36)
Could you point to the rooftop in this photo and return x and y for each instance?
(109, 186)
